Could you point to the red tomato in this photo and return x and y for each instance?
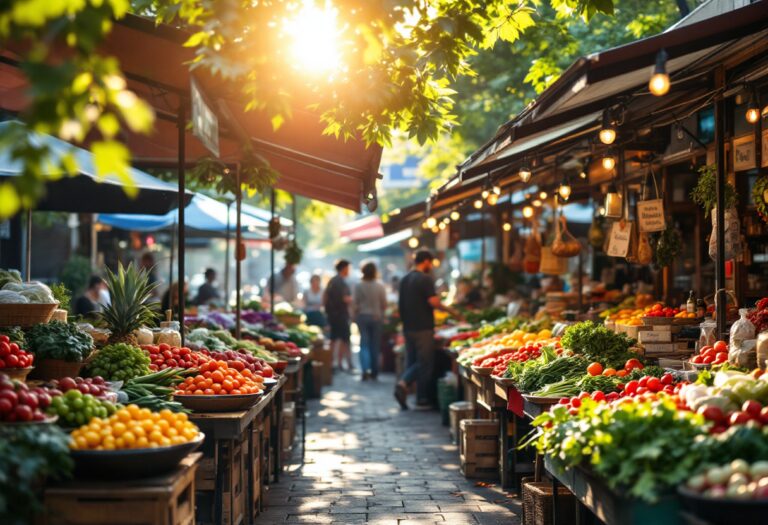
(595, 369)
(708, 359)
(631, 387)
(667, 379)
(633, 364)
(654, 384)
(721, 346)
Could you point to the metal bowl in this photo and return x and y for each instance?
(220, 403)
(132, 463)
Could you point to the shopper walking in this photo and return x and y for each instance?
(208, 293)
(313, 303)
(337, 299)
(417, 303)
(370, 303)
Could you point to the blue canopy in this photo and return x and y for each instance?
(87, 192)
(203, 213)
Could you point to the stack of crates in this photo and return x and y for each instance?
(479, 448)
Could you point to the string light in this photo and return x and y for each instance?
(537, 203)
(609, 161)
(659, 83)
(496, 190)
(565, 189)
(447, 220)
(435, 229)
(525, 173)
(506, 227)
(543, 195)
(753, 109)
(413, 243)
(493, 199)
(441, 226)
(455, 215)
(608, 130)
(485, 194)
(424, 225)
(477, 204)
(431, 222)
(527, 212)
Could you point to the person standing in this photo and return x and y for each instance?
(417, 303)
(286, 285)
(313, 303)
(88, 304)
(370, 303)
(208, 292)
(337, 299)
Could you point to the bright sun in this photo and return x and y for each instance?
(314, 35)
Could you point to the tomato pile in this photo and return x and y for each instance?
(659, 310)
(11, 356)
(19, 403)
(240, 360)
(751, 410)
(217, 378)
(164, 356)
(716, 354)
(644, 388)
(596, 369)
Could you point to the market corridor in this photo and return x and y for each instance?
(368, 462)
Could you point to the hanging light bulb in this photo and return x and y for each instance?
(424, 225)
(613, 202)
(659, 83)
(477, 204)
(496, 190)
(493, 199)
(537, 203)
(441, 226)
(436, 229)
(753, 109)
(506, 227)
(447, 220)
(542, 195)
(525, 173)
(413, 243)
(527, 212)
(431, 222)
(608, 130)
(565, 189)
(455, 215)
(601, 211)
(485, 194)
(609, 161)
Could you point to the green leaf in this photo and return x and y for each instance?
(112, 160)
(9, 200)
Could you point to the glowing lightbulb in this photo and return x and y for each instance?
(659, 83)
(525, 174)
(477, 204)
(413, 242)
(543, 195)
(609, 162)
(431, 222)
(528, 212)
(493, 199)
(506, 227)
(455, 216)
(537, 203)
(565, 191)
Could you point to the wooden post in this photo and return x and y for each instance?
(720, 295)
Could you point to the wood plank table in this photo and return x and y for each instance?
(227, 428)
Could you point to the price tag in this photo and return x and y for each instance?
(650, 215)
(618, 241)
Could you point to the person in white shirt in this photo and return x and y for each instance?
(370, 304)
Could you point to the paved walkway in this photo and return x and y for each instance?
(368, 462)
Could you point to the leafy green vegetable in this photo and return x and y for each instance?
(28, 455)
(62, 295)
(16, 335)
(57, 340)
(9, 276)
(652, 370)
(532, 375)
(119, 362)
(487, 315)
(597, 343)
(594, 383)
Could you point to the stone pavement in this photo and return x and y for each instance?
(368, 462)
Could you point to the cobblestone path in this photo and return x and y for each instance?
(368, 462)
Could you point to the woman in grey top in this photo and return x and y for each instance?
(370, 302)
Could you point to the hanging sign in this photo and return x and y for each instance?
(650, 215)
(743, 153)
(618, 240)
(205, 123)
(764, 149)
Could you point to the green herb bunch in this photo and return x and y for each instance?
(758, 197)
(705, 192)
(57, 340)
(668, 247)
(597, 343)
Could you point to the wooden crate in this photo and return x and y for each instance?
(473, 471)
(289, 424)
(163, 500)
(459, 411)
(323, 355)
(478, 437)
(232, 455)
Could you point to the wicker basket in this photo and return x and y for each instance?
(26, 314)
(537, 504)
(18, 374)
(48, 369)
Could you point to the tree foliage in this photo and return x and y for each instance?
(400, 62)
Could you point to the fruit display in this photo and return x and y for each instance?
(164, 356)
(11, 356)
(75, 408)
(154, 390)
(95, 386)
(20, 403)
(659, 310)
(57, 340)
(119, 362)
(283, 349)
(131, 305)
(716, 354)
(217, 378)
(13, 290)
(759, 316)
(240, 360)
(735, 480)
(133, 427)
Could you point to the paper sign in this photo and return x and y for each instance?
(744, 153)
(618, 241)
(650, 215)
(205, 123)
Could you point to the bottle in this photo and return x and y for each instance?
(690, 305)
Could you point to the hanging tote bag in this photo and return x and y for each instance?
(532, 251)
(644, 250)
(732, 235)
(650, 212)
(565, 244)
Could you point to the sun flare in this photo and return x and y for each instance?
(314, 35)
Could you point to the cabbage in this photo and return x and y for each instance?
(37, 293)
(14, 287)
(10, 297)
(9, 276)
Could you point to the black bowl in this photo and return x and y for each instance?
(132, 463)
(269, 383)
(220, 403)
(724, 511)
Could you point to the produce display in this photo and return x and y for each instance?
(759, 316)
(57, 340)
(597, 343)
(20, 403)
(95, 386)
(75, 408)
(241, 360)
(716, 354)
(164, 356)
(13, 290)
(217, 378)
(154, 390)
(119, 362)
(134, 427)
(735, 480)
(11, 356)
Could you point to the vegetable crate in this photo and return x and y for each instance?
(486, 394)
(256, 456)
(232, 455)
(164, 500)
(459, 411)
(537, 504)
(479, 448)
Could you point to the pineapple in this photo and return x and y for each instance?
(131, 305)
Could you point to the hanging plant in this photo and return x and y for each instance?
(668, 247)
(705, 192)
(293, 253)
(256, 175)
(759, 194)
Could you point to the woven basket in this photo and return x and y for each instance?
(49, 369)
(18, 374)
(26, 314)
(537, 504)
